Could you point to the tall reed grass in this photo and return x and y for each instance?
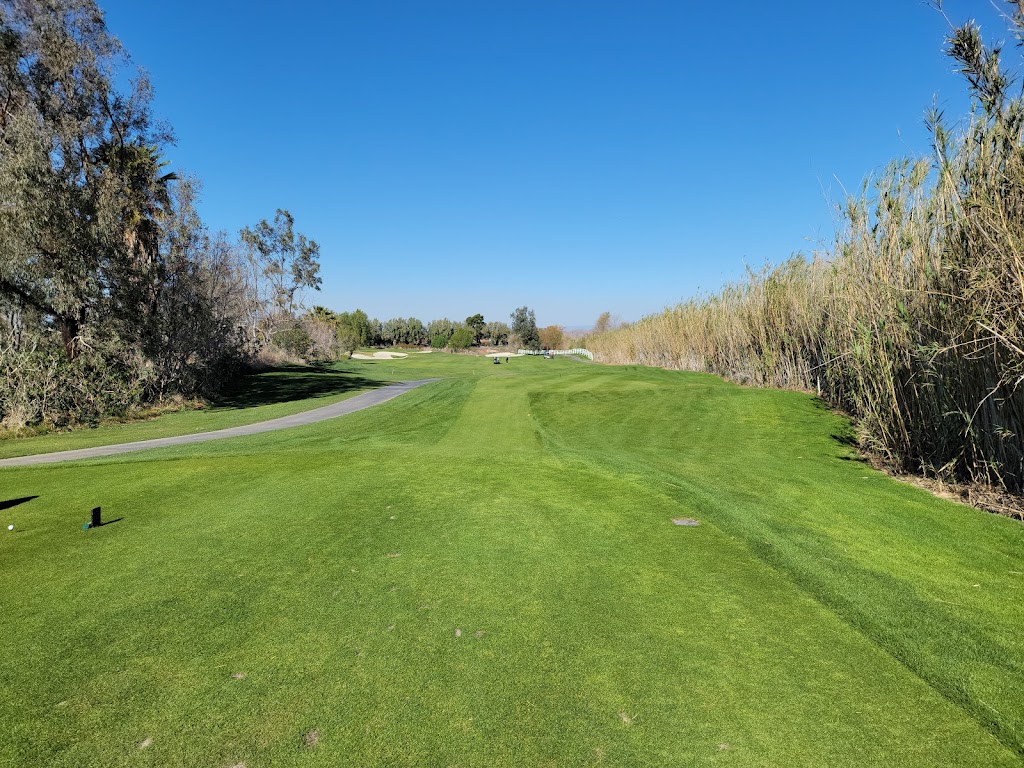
(914, 323)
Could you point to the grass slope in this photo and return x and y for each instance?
(484, 572)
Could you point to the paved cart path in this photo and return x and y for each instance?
(352, 404)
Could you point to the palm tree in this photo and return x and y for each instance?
(135, 169)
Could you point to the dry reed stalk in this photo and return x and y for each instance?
(914, 323)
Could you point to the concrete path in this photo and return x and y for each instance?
(357, 403)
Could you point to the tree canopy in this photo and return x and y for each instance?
(497, 332)
(476, 324)
(112, 291)
(552, 337)
(524, 328)
(462, 338)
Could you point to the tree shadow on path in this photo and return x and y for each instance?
(285, 384)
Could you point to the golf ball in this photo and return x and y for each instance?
(10, 527)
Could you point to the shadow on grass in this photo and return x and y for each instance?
(282, 385)
(15, 502)
(848, 440)
(845, 436)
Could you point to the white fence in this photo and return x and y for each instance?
(578, 351)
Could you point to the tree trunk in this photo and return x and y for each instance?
(70, 328)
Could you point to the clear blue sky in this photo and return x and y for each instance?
(570, 155)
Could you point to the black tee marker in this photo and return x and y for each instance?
(96, 521)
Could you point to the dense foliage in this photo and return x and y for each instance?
(524, 329)
(112, 292)
(341, 333)
(552, 337)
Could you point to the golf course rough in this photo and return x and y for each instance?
(484, 571)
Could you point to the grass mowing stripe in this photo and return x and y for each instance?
(973, 659)
(483, 573)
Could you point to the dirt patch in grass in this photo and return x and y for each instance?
(311, 737)
(685, 521)
(987, 497)
(984, 497)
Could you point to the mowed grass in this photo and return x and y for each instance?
(485, 572)
(256, 397)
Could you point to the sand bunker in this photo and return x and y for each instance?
(379, 356)
(504, 354)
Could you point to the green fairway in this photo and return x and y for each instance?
(257, 397)
(485, 572)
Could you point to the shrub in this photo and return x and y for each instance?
(463, 338)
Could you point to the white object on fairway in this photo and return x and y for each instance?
(10, 527)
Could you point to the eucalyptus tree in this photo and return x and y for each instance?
(190, 334)
(360, 324)
(376, 333)
(401, 330)
(440, 331)
(79, 170)
(417, 332)
(111, 291)
(498, 332)
(283, 264)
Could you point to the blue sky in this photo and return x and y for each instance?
(574, 156)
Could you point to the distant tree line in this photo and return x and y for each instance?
(113, 293)
(324, 334)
